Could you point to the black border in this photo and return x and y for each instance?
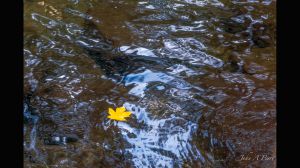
(11, 83)
(287, 85)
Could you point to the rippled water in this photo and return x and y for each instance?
(199, 77)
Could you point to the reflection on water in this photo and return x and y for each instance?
(198, 76)
(141, 81)
(162, 142)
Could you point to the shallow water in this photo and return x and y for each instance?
(199, 77)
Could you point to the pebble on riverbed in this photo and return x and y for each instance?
(60, 140)
(261, 37)
(231, 26)
(252, 68)
(233, 62)
(261, 41)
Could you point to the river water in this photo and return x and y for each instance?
(199, 77)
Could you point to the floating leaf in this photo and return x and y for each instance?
(120, 114)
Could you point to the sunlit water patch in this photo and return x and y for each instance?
(191, 50)
(138, 51)
(161, 142)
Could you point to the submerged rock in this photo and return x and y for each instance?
(232, 26)
(261, 36)
(261, 41)
(252, 68)
(233, 62)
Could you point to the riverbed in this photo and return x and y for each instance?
(199, 77)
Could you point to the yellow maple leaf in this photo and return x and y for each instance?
(120, 114)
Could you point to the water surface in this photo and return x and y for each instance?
(199, 77)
